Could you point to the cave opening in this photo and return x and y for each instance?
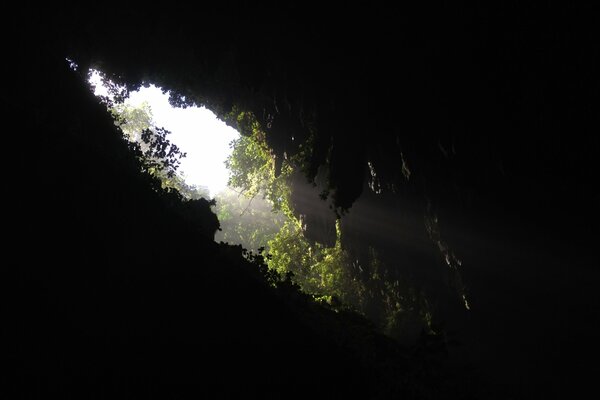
(196, 131)
(460, 139)
(266, 212)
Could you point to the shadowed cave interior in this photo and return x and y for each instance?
(450, 138)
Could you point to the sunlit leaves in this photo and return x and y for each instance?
(160, 157)
(250, 222)
(328, 273)
(132, 120)
(252, 166)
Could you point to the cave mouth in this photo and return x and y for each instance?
(205, 143)
(196, 131)
(259, 213)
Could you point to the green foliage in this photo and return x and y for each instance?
(328, 273)
(132, 120)
(251, 222)
(258, 215)
(159, 157)
(400, 309)
(252, 166)
(159, 154)
(178, 183)
(289, 250)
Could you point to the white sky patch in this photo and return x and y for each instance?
(195, 130)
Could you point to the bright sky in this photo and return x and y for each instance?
(196, 131)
